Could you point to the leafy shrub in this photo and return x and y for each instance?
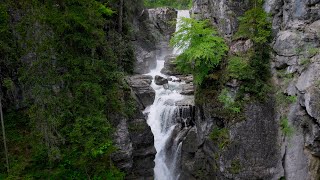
(228, 102)
(286, 128)
(202, 48)
(255, 25)
(239, 68)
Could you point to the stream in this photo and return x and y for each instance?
(164, 116)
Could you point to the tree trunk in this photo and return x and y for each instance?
(120, 16)
(4, 134)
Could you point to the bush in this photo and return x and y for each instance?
(286, 128)
(202, 48)
(239, 68)
(228, 102)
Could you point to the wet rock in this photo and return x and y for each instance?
(161, 18)
(187, 79)
(170, 66)
(141, 87)
(144, 42)
(166, 86)
(146, 60)
(159, 80)
(187, 89)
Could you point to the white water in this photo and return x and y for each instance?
(162, 119)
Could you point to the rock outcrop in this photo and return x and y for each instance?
(222, 13)
(142, 89)
(163, 28)
(133, 136)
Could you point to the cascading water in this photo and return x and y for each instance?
(163, 116)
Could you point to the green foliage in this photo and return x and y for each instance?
(239, 68)
(253, 67)
(255, 25)
(286, 128)
(228, 102)
(70, 68)
(202, 48)
(284, 100)
(220, 136)
(178, 4)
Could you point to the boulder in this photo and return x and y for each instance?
(159, 80)
(140, 84)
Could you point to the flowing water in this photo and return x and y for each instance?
(163, 117)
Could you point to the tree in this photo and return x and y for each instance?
(202, 48)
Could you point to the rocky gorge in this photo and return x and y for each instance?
(254, 145)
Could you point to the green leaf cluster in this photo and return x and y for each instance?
(202, 48)
(255, 25)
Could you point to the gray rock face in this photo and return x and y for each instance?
(159, 80)
(161, 18)
(170, 66)
(222, 13)
(144, 43)
(153, 31)
(141, 87)
(257, 148)
(252, 151)
(134, 138)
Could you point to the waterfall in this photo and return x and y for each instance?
(164, 118)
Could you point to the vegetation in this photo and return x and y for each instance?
(178, 4)
(252, 67)
(62, 67)
(286, 128)
(202, 48)
(220, 136)
(228, 102)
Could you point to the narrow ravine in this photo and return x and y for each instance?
(163, 116)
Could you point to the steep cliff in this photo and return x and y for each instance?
(278, 138)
